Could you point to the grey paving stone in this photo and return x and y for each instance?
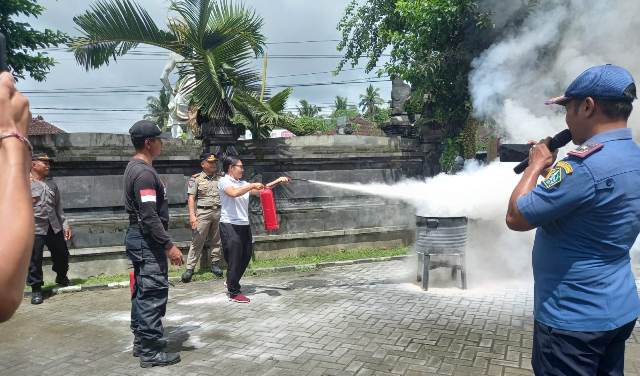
(362, 319)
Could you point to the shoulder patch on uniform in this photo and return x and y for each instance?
(565, 166)
(553, 178)
(585, 150)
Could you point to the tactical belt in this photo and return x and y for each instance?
(208, 207)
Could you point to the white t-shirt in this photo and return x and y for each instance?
(235, 210)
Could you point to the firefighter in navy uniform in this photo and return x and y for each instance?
(148, 244)
(587, 215)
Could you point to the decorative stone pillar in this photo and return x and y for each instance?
(431, 138)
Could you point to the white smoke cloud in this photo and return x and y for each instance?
(481, 193)
(477, 193)
(495, 253)
(556, 42)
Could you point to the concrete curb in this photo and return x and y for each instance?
(276, 269)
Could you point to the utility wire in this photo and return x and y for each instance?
(130, 91)
(159, 84)
(90, 109)
(285, 57)
(267, 43)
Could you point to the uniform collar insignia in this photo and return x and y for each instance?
(586, 150)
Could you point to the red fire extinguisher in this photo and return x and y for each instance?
(269, 210)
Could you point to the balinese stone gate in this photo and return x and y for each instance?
(88, 169)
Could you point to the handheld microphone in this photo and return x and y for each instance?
(4, 67)
(558, 141)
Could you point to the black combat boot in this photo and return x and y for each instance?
(63, 281)
(151, 355)
(186, 276)
(137, 346)
(159, 359)
(216, 270)
(36, 296)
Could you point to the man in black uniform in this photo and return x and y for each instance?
(148, 244)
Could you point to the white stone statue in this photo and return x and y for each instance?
(179, 97)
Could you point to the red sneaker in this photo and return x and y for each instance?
(239, 298)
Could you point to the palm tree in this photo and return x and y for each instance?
(340, 103)
(217, 39)
(370, 100)
(262, 116)
(158, 109)
(307, 109)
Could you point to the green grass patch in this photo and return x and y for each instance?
(204, 275)
(342, 255)
(94, 280)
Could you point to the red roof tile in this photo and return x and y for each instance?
(40, 127)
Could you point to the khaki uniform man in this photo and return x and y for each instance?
(204, 216)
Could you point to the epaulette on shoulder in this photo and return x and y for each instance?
(585, 150)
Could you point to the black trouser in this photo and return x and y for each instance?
(151, 290)
(237, 247)
(562, 352)
(59, 257)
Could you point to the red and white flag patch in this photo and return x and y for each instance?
(147, 195)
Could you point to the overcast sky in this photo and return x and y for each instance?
(284, 21)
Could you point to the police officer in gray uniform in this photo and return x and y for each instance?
(51, 225)
(204, 216)
(587, 214)
(148, 244)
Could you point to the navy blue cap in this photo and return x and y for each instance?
(600, 82)
(145, 129)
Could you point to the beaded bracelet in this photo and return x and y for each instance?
(19, 137)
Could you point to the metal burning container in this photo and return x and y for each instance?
(445, 237)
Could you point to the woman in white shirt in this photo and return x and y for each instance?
(235, 232)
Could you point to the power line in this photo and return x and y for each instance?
(158, 85)
(305, 41)
(279, 57)
(97, 87)
(330, 83)
(92, 121)
(129, 91)
(75, 113)
(90, 109)
(267, 43)
(315, 73)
